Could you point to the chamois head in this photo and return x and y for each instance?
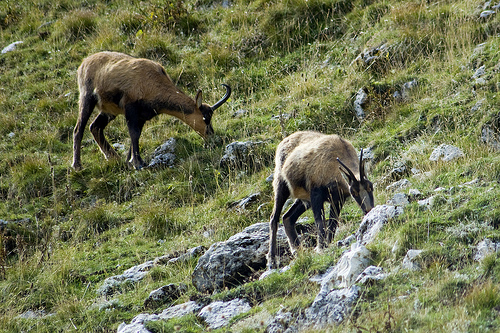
(361, 189)
(207, 111)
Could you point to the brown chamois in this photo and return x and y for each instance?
(309, 167)
(139, 89)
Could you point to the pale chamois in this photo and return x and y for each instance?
(309, 167)
(139, 89)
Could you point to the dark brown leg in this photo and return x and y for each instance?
(86, 106)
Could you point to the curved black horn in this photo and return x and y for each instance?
(223, 99)
(361, 166)
(347, 170)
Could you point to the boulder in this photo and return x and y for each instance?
(164, 295)
(230, 263)
(446, 153)
(218, 314)
(163, 156)
(411, 260)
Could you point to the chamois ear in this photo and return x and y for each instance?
(349, 174)
(198, 99)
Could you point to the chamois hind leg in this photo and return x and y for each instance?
(281, 194)
(289, 220)
(97, 128)
(86, 106)
(135, 125)
(318, 199)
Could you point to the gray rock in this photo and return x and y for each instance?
(410, 261)
(399, 199)
(132, 275)
(361, 99)
(241, 205)
(478, 105)
(399, 185)
(486, 14)
(218, 314)
(427, 203)
(374, 221)
(230, 263)
(346, 271)
(137, 324)
(330, 308)
(164, 295)
(446, 153)
(486, 248)
(240, 113)
(479, 72)
(491, 137)
(282, 323)
(11, 47)
(414, 194)
(164, 156)
(371, 274)
(239, 153)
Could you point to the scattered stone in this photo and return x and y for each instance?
(281, 322)
(446, 153)
(491, 137)
(410, 261)
(330, 308)
(399, 199)
(427, 203)
(137, 324)
(164, 156)
(414, 194)
(240, 113)
(359, 102)
(486, 14)
(218, 314)
(164, 295)
(11, 47)
(239, 153)
(478, 105)
(241, 205)
(132, 275)
(399, 185)
(190, 254)
(486, 248)
(479, 72)
(370, 275)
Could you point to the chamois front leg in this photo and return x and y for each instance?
(97, 128)
(317, 206)
(135, 125)
(337, 201)
(281, 194)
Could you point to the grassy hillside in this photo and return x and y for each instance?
(67, 231)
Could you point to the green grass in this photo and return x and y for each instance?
(68, 230)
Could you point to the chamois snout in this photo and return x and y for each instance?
(362, 192)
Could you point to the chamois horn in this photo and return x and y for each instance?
(223, 99)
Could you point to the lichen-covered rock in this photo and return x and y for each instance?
(230, 263)
(446, 153)
(164, 295)
(374, 221)
(218, 314)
